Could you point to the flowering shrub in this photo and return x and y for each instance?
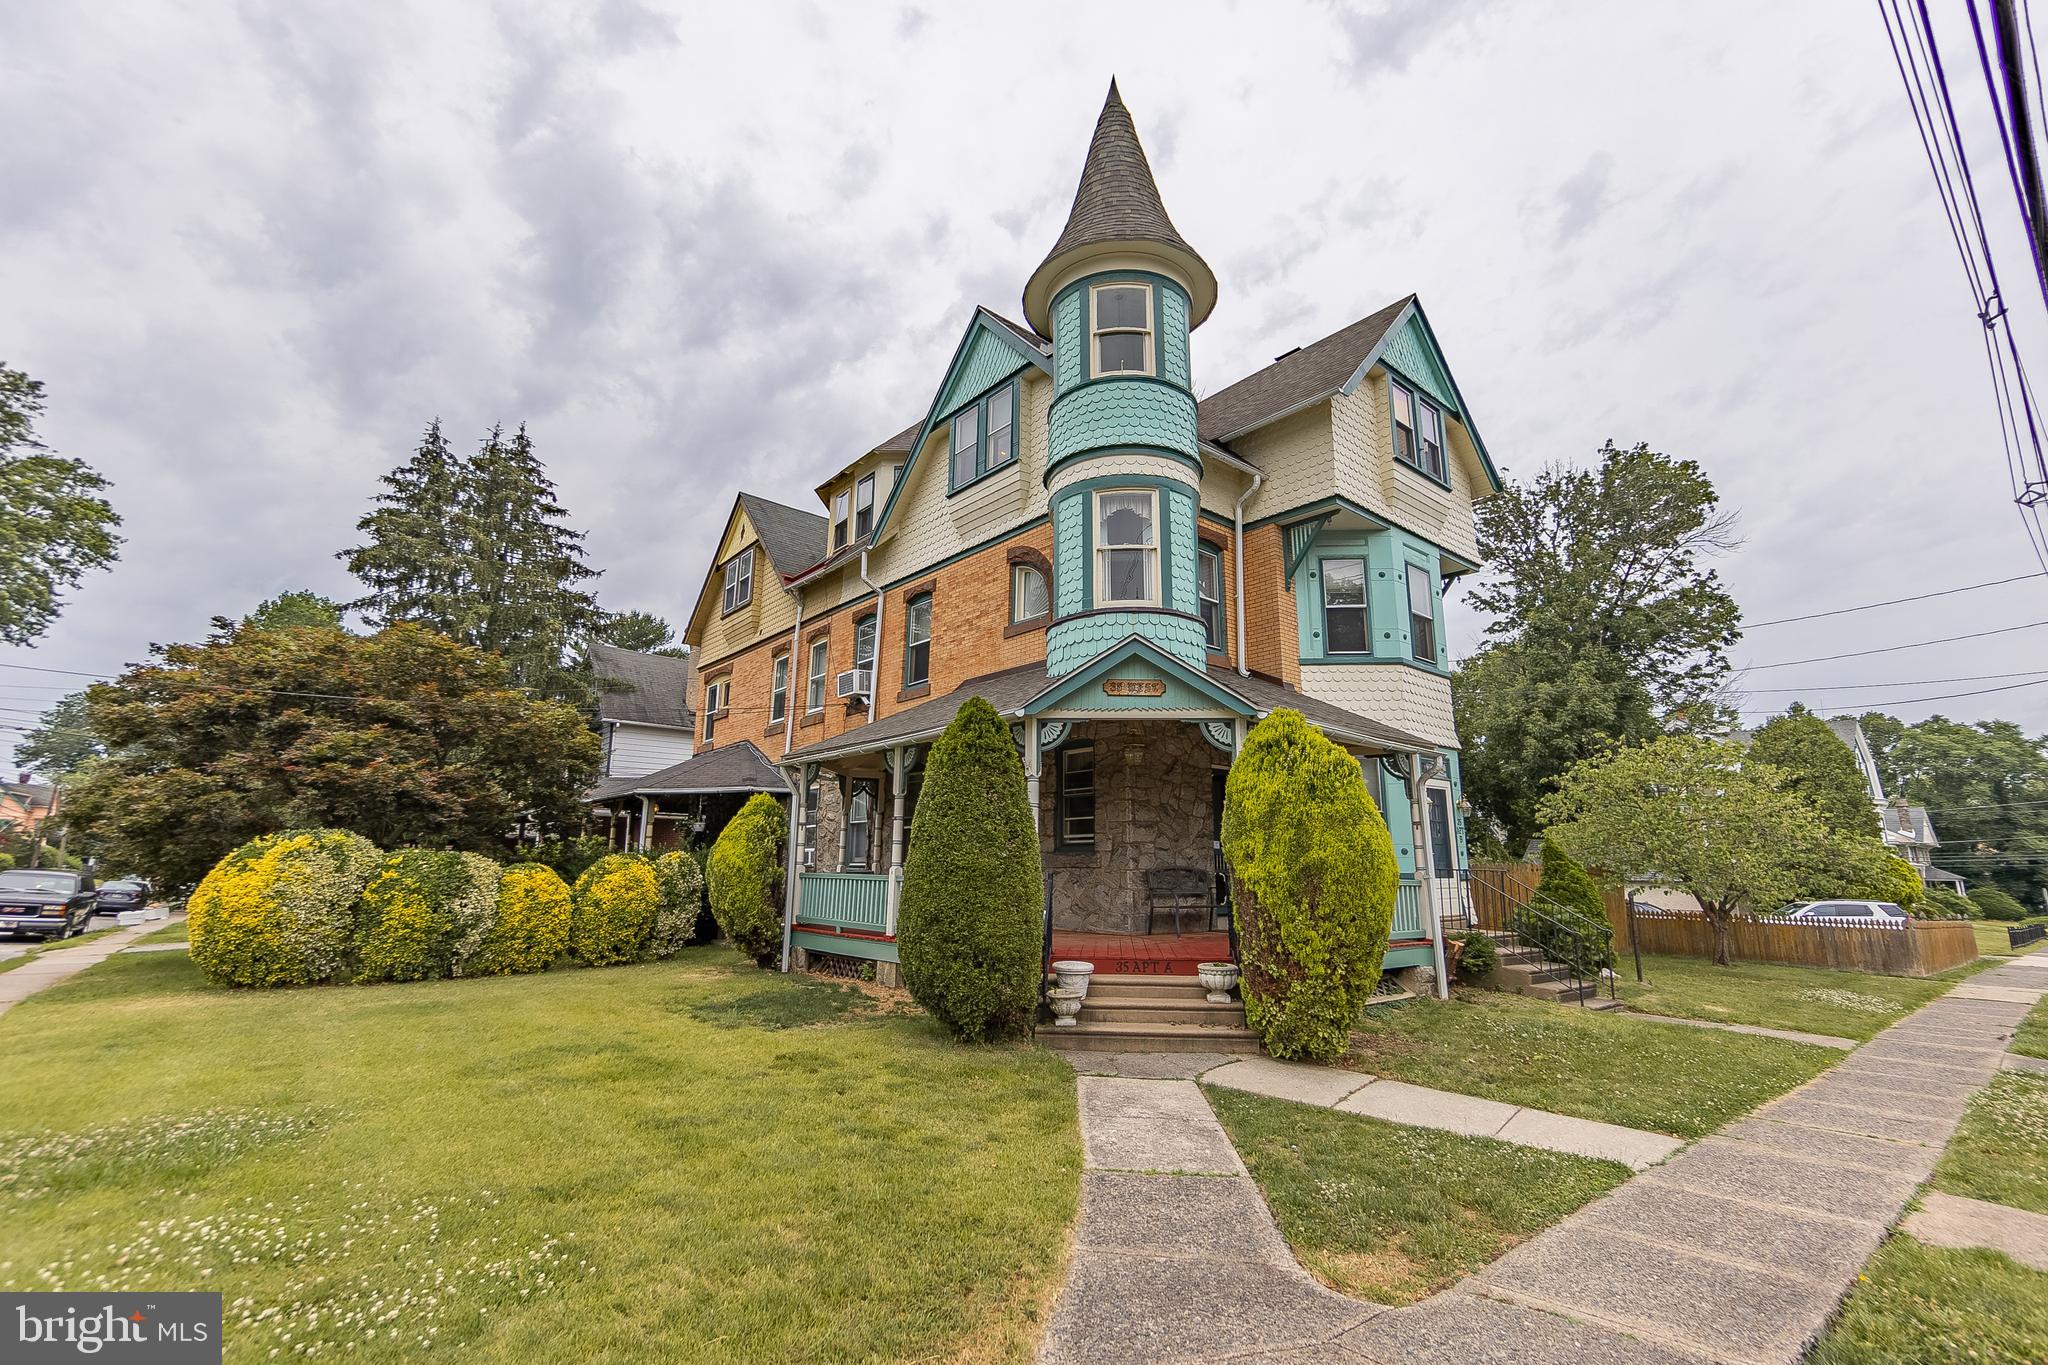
(530, 930)
(682, 901)
(418, 909)
(281, 910)
(613, 909)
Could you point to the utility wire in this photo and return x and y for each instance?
(1916, 682)
(1890, 649)
(1894, 601)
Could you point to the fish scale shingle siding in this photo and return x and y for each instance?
(1113, 412)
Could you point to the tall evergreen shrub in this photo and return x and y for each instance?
(1992, 903)
(1314, 879)
(1571, 925)
(744, 877)
(969, 928)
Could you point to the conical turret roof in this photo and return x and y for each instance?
(1117, 203)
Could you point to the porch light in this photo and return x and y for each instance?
(600, 812)
(1464, 806)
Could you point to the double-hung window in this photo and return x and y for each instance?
(778, 691)
(1122, 329)
(966, 446)
(1127, 548)
(1028, 599)
(1076, 796)
(807, 832)
(739, 581)
(1000, 445)
(1344, 613)
(1418, 431)
(864, 646)
(814, 683)
(1421, 615)
(1209, 589)
(839, 501)
(860, 825)
(917, 640)
(717, 695)
(864, 506)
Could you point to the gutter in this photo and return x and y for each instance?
(1237, 541)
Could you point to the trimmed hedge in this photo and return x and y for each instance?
(530, 931)
(416, 908)
(281, 910)
(1992, 903)
(968, 928)
(744, 873)
(613, 908)
(1938, 902)
(1313, 869)
(681, 904)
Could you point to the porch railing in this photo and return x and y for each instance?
(855, 901)
(1408, 920)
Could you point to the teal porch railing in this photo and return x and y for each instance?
(855, 901)
(1408, 902)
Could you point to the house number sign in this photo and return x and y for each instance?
(1134, 687)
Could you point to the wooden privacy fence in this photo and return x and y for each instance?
(1919, 948)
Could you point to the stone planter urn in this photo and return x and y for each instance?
(1218, 978)
(1066, 1003)
(1073, 976)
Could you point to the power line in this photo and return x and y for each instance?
(1915, 701)
(1890, 649)
(1893, 602)
(1917, 682)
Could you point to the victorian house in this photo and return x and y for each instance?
(1130, 576)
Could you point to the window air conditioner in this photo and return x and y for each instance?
(854, 682)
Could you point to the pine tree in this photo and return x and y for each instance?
(412, 560)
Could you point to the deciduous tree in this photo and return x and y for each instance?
(54, 525)
(1818, 766)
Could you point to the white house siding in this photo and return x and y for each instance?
(637, 750)
(1410, 699)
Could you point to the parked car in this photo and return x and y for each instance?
(45, 903)
(125, 893)
(1881, 913)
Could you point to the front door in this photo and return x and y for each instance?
(1440, 851)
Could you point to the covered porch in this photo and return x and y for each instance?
(683, 806)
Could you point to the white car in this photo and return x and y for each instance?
(1880, 913)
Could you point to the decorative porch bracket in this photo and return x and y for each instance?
(1220, 733)
(1300, 538)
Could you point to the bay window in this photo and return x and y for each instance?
(1127, 548)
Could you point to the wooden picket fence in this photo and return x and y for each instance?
(1921, 948)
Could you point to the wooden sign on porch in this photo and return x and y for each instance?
(1134, 687)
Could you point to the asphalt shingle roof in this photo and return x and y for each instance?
(734, 767)
(1317, 370)
(1117, 200)
(644, 689)
(793, 538)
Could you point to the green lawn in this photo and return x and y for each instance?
(1594, 1064)
(1917, 1304)
(174, 932)
(2031, 1038)
(1393, 1214)
(1992, 938)
(1841, 1004)
(616, 1165)
(2001, 1151)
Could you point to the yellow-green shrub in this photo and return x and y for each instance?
(417, 909)
(682, 901)
(743, 874)
(281, 910)
(612, 910)
(1314, 876)
(530, 931)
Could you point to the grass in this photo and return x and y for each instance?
(174, 932)
(2031, 1038)
(1588, 1063)
(577, 1165)
(1393, 1214)
(1993, 940)
(1917, 1304)
(1810, 999)
(2000, 1152)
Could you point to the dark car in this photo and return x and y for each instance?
(126, 893)
(45, 904)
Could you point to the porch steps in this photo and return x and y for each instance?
(1143, 1013)
(1524, 971)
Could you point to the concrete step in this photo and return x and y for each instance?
(1144, 988)
(1094, 1035)
(1141, 1010)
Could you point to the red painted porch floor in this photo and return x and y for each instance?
(1160, 954)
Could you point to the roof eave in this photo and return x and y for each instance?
(1057, 270)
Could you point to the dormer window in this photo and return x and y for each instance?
(864, 506)
(1418, 431)
(984, 437)
(739, 581)
(966, 446)
(1121, 334)
(839, 501)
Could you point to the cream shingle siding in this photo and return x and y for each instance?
(1368, 473)
(713, 636)
(1410, 699)
(1120, 464)
(1296, 454)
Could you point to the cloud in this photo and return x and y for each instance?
(1385, 38)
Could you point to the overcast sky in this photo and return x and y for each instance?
(253, 249)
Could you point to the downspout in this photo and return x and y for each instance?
(792, 887)
(796, 639)
(874, 669)
(1237, 515)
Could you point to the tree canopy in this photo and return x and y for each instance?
(1607, 623)
(290, 610)
(404, 737)
(642, 631)
(1819, 767)
(55, 526)
(1986, 786)
(62, 740)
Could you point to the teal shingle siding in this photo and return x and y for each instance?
(1181, 551)
(1071, 643)
(1121, 413)
(1408, 351)
(1387, 555)
(1070, 554)
(1173, 336)
(1069, 347)
(988, 361)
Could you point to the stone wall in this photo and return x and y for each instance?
(1152, 809)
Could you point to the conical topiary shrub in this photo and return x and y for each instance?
(417, 907)
(1314, 878)
(743, 876)
(281, 910)
(968, 928)
(612, 910)
(1572, 926)
(682, 901)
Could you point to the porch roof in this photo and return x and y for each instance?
(734, 767)
(1014, 689)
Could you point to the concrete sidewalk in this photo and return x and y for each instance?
(60, 964)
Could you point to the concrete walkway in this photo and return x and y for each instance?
(60, 964)
(1790, 1035)
(1737, 1250)
(1944, 1220)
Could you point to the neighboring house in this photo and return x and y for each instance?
(646, 725)
(1131, 577)
(26, 806)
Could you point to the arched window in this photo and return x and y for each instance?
(1028, 597)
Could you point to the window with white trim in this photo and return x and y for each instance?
(864, 506)
(998, 447)
(1209, 590)
(966, 446)
(717, 695)
(739, 581)
(864, 645)
(778, 690)
(917, 640)
(860, 824)
(1421, 614)
(1121, 341)
(1127, 547)
(814, 683)
(1418, 431)
(839, 519)
(1076, 796)
(1344, 611)
(1028, 597)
